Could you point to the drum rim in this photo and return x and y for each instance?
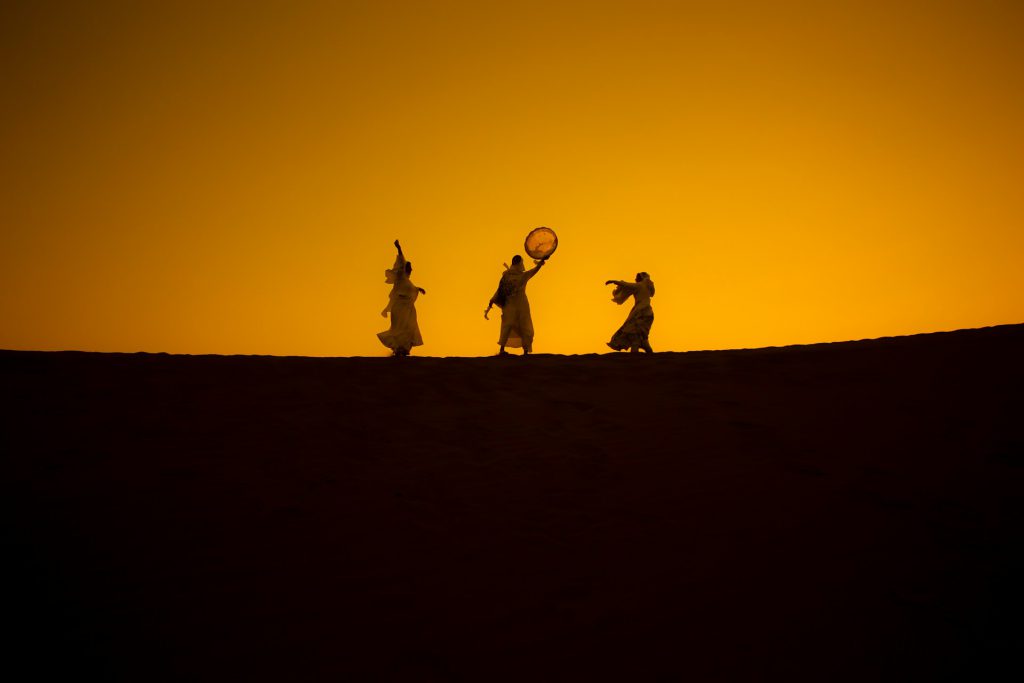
(537, 229)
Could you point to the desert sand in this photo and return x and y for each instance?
(848, 511)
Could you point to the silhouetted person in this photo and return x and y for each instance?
(634, 333)
(516, 323)
(405, 331)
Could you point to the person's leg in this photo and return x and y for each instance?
(634, 349)
(506, 332)
(647, 332)
(525, 329)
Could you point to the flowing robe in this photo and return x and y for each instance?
(636, 331)
(516, 322)
(405, 330)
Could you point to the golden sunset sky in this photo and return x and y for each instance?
(228, 178)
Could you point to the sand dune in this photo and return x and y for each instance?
(833, 512)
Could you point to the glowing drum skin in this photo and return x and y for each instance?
(541, 243)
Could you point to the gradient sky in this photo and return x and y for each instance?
(228, 178)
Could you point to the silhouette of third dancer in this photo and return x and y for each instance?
(405, 330)
(635, 332)
(516, 323)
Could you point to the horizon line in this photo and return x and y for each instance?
(564, 355)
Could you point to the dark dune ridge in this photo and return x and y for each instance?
(845, 511)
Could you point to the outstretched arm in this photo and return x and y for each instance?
(399, 248)
(533, 271)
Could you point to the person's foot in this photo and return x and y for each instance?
(503, 352)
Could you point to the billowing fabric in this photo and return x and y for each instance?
(396, 271)
(516, 322)
(620, 294)
(405, 330)
(541, 243)
(636, 331)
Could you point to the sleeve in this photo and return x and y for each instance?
(397, 271)
(622, 291)
(499, 297)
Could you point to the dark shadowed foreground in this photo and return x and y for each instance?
(834, 512)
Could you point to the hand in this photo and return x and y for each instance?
(384, 313)
(422, 291)
(397, 245)
(609, 282)
(486, 311)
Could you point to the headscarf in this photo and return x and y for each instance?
(646, 279)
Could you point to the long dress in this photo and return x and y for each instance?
(636, 331)
(516, 321)
(405, 330)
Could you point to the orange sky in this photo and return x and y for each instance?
(229, 180)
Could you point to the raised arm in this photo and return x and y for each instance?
(533, 271)
(399, 266)
(621, 283)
